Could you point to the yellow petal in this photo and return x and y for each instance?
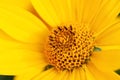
(82, 74)
(16, 61)
(87, 9)
(5, 36)
(106, 14)
(46, 11)
(66, 75)
(28, 74)
(31, 74)
(88, 74)
(60, 75)
(114, 47)
(66, 11)
(17, 57)
(24, 4)
(110, 36)
(76, 74)
(100, 74)
(72, 75)
(20, 3)
(38, 75)
(108, 59)
(22, 25)
(46, 75)
(8, 42)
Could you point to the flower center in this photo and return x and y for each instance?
(69, 47)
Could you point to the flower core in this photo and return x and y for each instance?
(69, 47)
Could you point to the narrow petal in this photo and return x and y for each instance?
(46, 75)
(106, 14)
(89, 75)
(46, 11)
(28, 74)
(66, 11)
(72, 75)
(54, 13)
(66, 76)
(108, 59)
(82, 74)
(61, 75)
(22, 25)
(100, 74)
(87, 9)
(36, 75)
(77, 74)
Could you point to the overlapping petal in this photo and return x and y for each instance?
(108, 59)
(21, 40)
(21, 25)
(109, 36)
(106, 14)
(101, 74)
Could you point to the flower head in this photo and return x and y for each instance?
(71, 40)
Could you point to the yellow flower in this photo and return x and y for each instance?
(71, 40)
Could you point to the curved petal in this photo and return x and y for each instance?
(108, 59)
(54, 13)
(16, 61)
(17, 57)
(110, 36)
(24, 4)
(100, 74)
(8, 42)
(46, 11)
(106, 14)
(22, 25)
